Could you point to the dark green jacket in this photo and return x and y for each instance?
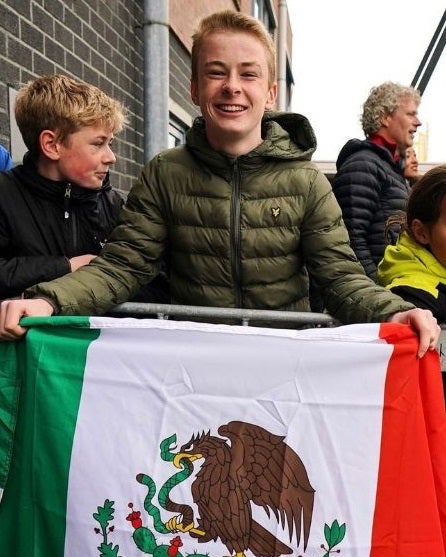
(238, 232)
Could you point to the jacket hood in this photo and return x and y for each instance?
(301, 136)
(356, 145)
(286, 135)
(410, 264)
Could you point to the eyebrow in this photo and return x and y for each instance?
(103, 137)
(243, 64)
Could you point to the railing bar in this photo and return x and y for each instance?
(241, 314)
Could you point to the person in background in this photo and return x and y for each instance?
(410, 166)
(369, 184)
(5, 159)
(243, 213)
(415, 268)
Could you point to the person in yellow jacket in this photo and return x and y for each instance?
(415, 268)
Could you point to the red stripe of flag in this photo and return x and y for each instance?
(410, 509)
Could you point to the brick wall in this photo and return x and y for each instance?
(179, 79)
(184, 21)
(99, 41)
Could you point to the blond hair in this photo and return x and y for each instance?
(64, 105)
(230, 20)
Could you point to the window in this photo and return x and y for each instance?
(177, 133)
(179, 122)
(262, 11)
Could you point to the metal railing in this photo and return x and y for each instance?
(244, 316)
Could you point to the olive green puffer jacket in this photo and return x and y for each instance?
(237, 232)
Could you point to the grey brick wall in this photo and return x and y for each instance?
(179, 79)
(99, 41)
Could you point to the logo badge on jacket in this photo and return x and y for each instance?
(275, 212)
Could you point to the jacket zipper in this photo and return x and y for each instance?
(236, 233)
(66, 201)
(70, 222)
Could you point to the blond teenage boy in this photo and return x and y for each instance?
(58, 208)
(240, 208)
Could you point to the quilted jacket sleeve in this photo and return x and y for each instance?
(130, 259)
(348, 293)
(357, 189)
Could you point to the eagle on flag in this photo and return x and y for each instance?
(257, 467)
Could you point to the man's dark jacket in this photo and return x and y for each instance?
(369, 187)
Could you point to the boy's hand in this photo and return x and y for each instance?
(424, 323)
(11, 311)
(80, 260)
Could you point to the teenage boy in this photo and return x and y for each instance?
(58, 208)
(240, 209)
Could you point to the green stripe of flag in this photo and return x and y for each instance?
(81, 321)
(44, 444)
(9, 394)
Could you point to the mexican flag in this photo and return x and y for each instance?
(129, 437)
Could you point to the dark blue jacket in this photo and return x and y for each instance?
(369, 187)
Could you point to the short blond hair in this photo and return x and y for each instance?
(64, 105)
(230, 20)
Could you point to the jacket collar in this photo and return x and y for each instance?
(27, 175)
(286, 136)
(383, 142)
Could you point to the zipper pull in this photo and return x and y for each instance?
(67, 198)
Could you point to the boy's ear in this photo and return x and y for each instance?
(271, 98)
(194, 91)
(420, 232)
(49, 146)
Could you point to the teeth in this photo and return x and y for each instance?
(231, 108)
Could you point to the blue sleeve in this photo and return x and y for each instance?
(5, 159)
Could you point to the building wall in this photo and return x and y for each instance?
(184, 17)
(179, 78)
(99, 41)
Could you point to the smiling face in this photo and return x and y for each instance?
(232, 90)
(401, 126)
(83, 158)
(411, 166)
